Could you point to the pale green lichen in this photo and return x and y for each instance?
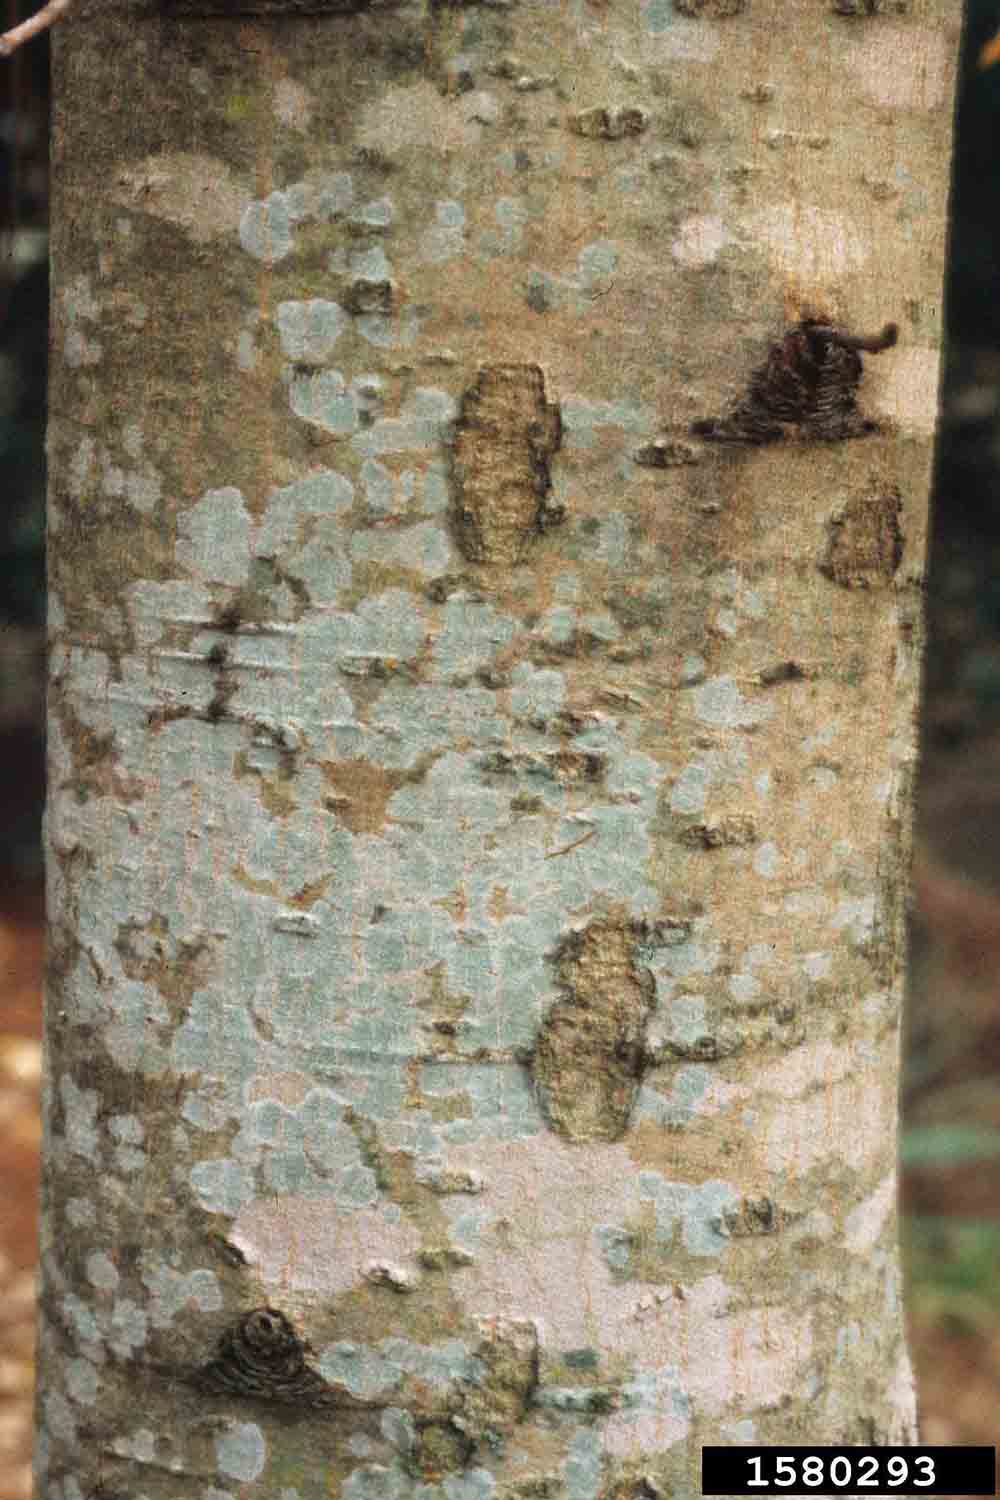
(426, 548)
(309, 330)
(241, 1451)
(423, 423)
(692, 1210)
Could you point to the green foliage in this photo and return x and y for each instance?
(951, 1272)
(949, 1145)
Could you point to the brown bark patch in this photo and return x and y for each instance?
(608, 124)
(590, 1054)
(508, 1354)
(866, 541)
(785, 671)
(666, 453)
(565, 766)
(363, 792)
(715, 10)
(440, 1448)
(505, 437)
(734, 830)
(753, 1216)
(632, 1483)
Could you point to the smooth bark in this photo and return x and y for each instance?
(480, 787)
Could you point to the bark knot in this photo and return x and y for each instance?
(262, 1356)
(807, 388)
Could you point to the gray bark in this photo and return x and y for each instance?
(485, 635)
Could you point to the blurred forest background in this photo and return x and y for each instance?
(951, 1098)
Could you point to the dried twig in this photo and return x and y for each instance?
(40, 21)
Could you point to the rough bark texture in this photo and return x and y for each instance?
(479, 800)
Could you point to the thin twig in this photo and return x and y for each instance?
(18, 35)
(570, 847)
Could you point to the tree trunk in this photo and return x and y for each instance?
(486, 619)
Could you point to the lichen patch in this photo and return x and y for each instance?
(197, 193)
